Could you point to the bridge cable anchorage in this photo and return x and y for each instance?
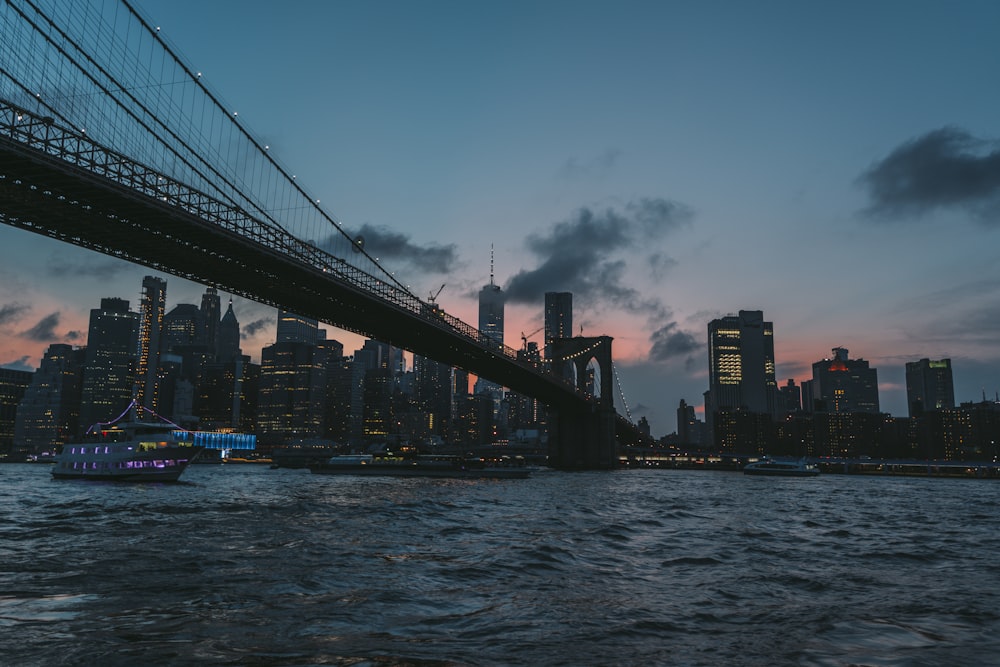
(618, 381)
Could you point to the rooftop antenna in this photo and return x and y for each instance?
(491, 264)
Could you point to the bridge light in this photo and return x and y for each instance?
(235, 114)
(199, 75)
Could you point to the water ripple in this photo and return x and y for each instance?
(244, 565)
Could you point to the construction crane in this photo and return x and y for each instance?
(525, 337)
(432, 299)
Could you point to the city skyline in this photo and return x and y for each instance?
(833, 167)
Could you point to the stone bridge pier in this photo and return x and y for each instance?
(584, 438)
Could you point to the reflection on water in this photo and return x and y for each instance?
(247, 565)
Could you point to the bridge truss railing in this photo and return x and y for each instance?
(75, 149)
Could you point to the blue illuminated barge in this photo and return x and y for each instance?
(420, 466)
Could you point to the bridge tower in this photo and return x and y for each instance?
(583, 438)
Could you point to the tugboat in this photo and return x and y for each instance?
(130, 452)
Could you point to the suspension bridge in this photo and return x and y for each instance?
(110, 141)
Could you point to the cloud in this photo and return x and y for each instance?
(944, 168)
(669, 342)
(579, 254)
(660, 264)
(390, 247)
(640, 409)
(19, 365)
(44, 330)
(12, 312)
(251, 329)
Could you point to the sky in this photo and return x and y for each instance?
(833, 164)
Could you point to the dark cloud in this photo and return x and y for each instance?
(103, 269)
(793, 369)
(579, 255)
(72, 336)
(660, 264)
(944, 168)
(12, 312)
(640, 409)
(669, 342)
(44, 331)
(390, 246)
(19, 365)
(249, 330)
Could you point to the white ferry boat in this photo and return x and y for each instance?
(132, 452)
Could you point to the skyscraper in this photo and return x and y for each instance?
(491, 309)
(152, 307)
(558, 318)
(183, 327)
(491, 313)
(841, 384)
(292, 392)
(109, 366)
(210, 311)
(49, 412)
(741, 364)
(13, 384)
(434, 393)
(227, 343)
(294, 328)
(929, 386)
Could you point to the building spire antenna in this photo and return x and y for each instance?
(491, 265)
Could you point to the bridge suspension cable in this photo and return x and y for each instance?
(621, 393)
(103, 68)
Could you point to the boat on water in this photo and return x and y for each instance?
(130, 452)
(419, 466)
(767, 466)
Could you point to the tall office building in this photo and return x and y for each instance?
(152, 308)
(294, 328)
(211, 311)
(791, 397)
(227, 343)
(373, 372)
(109, 366)
(558, 318)
(491, 309)
(434, 394)
(49, 413)
(13, 384)
(183, 326)
(841, 384)
(741, 364)
(292, 392)
(929, 386)
(491, 314)
(689, 427)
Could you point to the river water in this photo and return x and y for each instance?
(244, 565)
